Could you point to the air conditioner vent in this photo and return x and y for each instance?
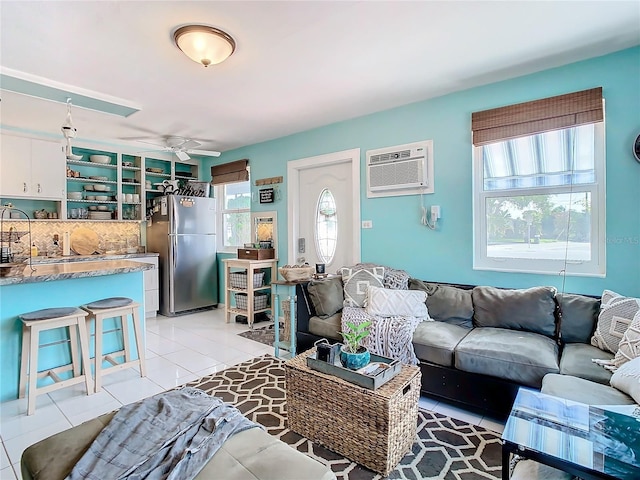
(401, 170)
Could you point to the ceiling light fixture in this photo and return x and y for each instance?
(204, 44)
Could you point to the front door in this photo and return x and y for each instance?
(324, 210)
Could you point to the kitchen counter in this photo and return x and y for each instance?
(85, 258)
(67, 268)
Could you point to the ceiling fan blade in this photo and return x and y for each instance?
(208, 153)
(189, 144)
(182, 155)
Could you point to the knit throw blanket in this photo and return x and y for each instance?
(170, 436)
(390, 337)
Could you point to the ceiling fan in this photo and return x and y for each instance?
(182, 147)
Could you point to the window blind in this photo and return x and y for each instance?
(538, 116)
(230, 172)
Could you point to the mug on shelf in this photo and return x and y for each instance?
(136, 198)
(128, 197)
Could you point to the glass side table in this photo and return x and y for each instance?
(289, 289)
(588, 441)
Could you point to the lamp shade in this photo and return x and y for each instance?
(204, 44)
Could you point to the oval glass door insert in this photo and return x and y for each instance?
(326, 231)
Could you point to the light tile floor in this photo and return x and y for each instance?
(179, 349)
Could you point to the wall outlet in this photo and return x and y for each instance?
(435, 213)
(367, 224)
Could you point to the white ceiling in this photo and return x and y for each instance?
(298, 64)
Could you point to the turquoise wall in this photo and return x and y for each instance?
(398, 239)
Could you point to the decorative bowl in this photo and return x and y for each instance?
(103, 159)
(74, 195)
(93, 208)
(296, 274)
(103, 208)
(102, 198)
(100, 188)
(90, 197)
(88, 188)
(99, 178)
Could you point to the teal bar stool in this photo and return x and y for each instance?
(33, 323)
(116, 307)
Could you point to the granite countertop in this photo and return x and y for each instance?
(85, 258)
(65, 269)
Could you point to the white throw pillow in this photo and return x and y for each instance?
(629, 347)
(627, 379)
(384, 302)
(613, 320)
(356, 283)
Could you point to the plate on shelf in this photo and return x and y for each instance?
(155, 170)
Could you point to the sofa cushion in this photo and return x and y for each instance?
(329, 327)
(577, 358)
(584, 391)
(627, 379)
(446, 303)
(384, 302)
(436, 341)
(579, 316)
(522, 357)
(356, 283)
(529, 310)
(250, 454)
(326, 295)
(614, 319)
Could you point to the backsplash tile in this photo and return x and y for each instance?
(114, 236)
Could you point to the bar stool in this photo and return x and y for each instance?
(116, 307)
(33, 323)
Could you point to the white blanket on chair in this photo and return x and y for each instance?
(390, 337)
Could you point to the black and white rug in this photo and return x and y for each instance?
(445, 448)
(263, 334)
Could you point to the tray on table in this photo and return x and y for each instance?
(355, 376)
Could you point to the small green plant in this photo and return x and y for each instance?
(353, 338)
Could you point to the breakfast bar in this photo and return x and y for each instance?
(60, 284)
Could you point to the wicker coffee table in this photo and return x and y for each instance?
(374, 428)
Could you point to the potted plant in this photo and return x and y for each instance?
(353, 354)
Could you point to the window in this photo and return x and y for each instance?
(234, 219)
(539, 199)
(326, 231)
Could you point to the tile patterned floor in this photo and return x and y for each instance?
(179, 349)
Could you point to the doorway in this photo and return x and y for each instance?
(324, 210)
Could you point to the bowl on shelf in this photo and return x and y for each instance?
(103, 208)
(99, 177)
(74, 157)
(93, 208)
(74, 195)
(155, 170)
(102, 198)
(90, 197)
(100, 188)
(88, 188)
(127, 164)
(103, 159)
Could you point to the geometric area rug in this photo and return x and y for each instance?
(444, 448)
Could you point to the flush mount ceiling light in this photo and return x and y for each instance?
(204, 44)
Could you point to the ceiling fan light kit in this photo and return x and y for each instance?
(204, 44)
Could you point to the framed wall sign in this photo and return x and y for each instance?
(266, 195)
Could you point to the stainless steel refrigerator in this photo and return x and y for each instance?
(183, 232)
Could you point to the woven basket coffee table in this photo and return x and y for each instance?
(374, 428)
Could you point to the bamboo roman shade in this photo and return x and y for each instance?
(538, 116)
(230, 172)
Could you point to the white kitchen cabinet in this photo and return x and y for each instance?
(151, 286)
(31, 168)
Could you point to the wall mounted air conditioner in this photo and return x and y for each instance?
(400, 170)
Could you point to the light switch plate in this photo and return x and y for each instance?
(367, 224)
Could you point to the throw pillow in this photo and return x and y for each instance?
(579, 317)
(613, 321)
(393, 279)
(627, 379)
(356, 283)
(388, 303)
(609, 296)
(326, 296)
(629, 347)
(530, 310)
(446, 303)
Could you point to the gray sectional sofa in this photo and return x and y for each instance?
(486, 342)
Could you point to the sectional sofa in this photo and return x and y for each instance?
(485, 342)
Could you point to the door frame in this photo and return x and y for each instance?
(294, 167)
